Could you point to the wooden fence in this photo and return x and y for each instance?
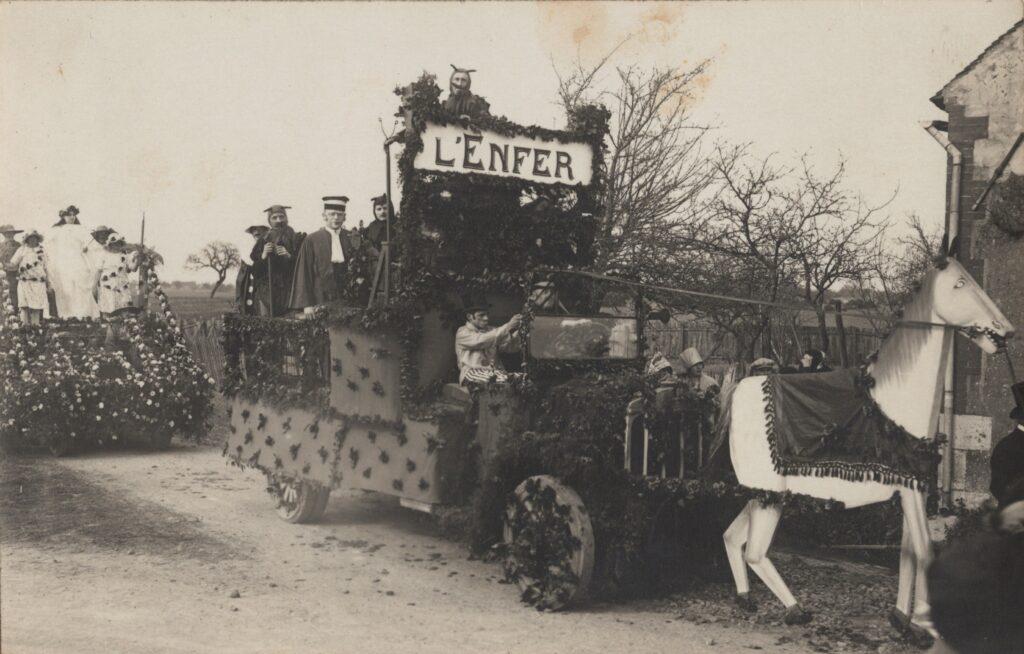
(720, 347)
(203, 338)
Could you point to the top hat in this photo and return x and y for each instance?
(8, 228)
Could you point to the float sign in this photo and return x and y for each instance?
(450, 148)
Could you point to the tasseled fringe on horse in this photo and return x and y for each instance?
(856, 472)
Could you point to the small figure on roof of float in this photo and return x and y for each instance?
(31, 295)
(114, 265)
(273, 262)
(68, 258)
(461, 101)
(8, 246)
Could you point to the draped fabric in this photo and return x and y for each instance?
(827, 425)
(69, 251)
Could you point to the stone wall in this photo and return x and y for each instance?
(986, 113)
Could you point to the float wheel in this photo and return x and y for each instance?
(581, 559)
(297, 501)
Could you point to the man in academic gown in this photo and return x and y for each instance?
(322, 263)
(461, 101)
(273, 262)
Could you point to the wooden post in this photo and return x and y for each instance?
(841, 330)
(143, 267)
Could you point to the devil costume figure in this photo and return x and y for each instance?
(461, 101)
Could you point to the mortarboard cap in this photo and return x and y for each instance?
(275, 209)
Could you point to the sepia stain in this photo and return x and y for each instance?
(660, 23)
(569, 29)
(60, 69)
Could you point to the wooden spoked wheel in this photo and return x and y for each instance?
(300, 501)
(580, 560)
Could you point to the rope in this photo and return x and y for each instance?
(729, 298)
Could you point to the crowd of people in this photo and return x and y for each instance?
(289, 273)
(71, 271)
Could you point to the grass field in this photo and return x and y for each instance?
(196, 304)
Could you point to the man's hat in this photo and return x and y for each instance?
(472, 304)
(253, 229)
(276, 209)
(72, 209)
(1018, 397)
(335, 202)
(9, 229)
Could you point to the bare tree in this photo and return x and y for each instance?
(896, 267)
(218, 256)
(654, 166)
(837, 242)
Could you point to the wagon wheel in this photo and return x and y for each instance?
(60, 446)
(299, 501)
(532, 512)
(160, 439)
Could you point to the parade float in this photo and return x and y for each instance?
(72, 384)
(579, 470)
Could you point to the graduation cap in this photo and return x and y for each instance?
(381, 200)
(335, 202)
(275, 209)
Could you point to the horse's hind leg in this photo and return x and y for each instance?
(763, 522)
(900, 617)
(735, 537)
(916, 524)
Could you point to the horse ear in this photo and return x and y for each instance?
(944, 246)
(954, 247)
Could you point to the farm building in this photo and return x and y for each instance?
(985, 208)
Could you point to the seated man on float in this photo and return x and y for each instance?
(476, 346)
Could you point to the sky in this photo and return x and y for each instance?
(202, 115)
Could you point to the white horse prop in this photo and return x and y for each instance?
(908, 374)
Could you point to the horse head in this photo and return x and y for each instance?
(960, 302)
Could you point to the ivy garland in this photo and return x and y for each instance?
(1006, 205)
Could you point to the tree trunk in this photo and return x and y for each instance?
(220, 280)
(822, 326)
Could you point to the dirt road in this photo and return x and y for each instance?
(179, 552)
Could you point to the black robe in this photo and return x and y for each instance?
(314, 281)
(275, 270)
(467, 104)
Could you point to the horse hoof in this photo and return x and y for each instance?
(900, 621)
(796, 616)
(920, 636)
(744, 602)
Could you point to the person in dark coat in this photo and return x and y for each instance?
(273, 262)
(8, 246)
(461, 101)
(322, 263)
(245, 285)
(1007, 461)
(377, 231)
(814, 361)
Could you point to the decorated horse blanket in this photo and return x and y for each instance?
(827, 425)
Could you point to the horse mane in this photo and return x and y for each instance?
(901, 348)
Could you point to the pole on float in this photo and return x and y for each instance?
(143, 263)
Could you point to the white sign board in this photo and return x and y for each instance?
(451, 148)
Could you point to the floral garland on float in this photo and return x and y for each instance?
(73, 383)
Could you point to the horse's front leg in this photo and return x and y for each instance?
(915, 523)
(900, 616)
(763, 522)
